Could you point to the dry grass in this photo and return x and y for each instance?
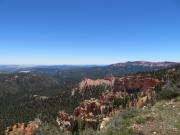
(161, 119)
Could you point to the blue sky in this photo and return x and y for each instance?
(88, 31)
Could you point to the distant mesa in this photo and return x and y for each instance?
(145, 64)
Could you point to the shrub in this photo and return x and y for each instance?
(130, 113)
(140, 120)
(168, 92)
(48, 129)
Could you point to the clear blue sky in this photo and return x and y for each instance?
(88, 31)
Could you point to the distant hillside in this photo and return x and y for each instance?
(145, 64)
(49, 80)
(115, 69)
(23, 83)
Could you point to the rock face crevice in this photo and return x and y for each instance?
(130, 91)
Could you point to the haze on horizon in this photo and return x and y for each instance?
(80, 32)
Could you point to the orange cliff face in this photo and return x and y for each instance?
(21, 129)
(89, 82)
(132, 84)
(129, 84)
(145, 87)
(85, 83)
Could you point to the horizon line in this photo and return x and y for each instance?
(84, 64)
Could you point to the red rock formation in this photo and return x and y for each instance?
(85, 83)
(20, 129)
(127, 91)
(88, 108)
(132, 84)
(89, 82)
(65, 121)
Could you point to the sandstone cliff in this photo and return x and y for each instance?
(87, 82)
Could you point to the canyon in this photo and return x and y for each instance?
(129, 91)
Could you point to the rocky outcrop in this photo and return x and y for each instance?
(132, 84)
(88, 108)
(130, 91)
(129, 84)
(85, 83)
(65, 121)
(104, 122)
(89, 82)
(136, 84)
(21, 129)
